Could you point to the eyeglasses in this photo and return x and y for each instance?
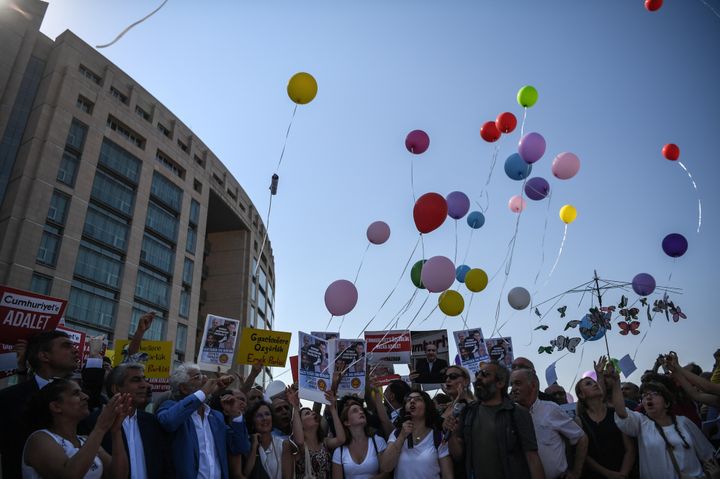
(650, 394)
(453, 376)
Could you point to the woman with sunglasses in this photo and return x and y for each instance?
(55, 449)
(669, 446)
(307, 453)
(416, 449)
(265, 457)
(360, 456)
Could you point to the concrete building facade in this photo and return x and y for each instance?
(108, 200)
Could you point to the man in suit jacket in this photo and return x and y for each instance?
(146, 444)
(200, 439)
(430, 370)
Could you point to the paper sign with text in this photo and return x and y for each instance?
(385, 348)
(270, 347)
(219, 340)
(24, 314)
(159, 357)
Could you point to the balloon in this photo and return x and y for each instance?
(302, 88)
(519, 298)
(438, 274)
(490, 132)
(569, 398)
(275, 388)
(340, 297)
(586, 326)
(417, 141)
(568, 213)
(653, 5)
(461, 271)
(506, 122)
(565, 165)
(416, 272)
(643, 284)
(451, 302)
(671, 152)
(527, 96)
(458, 204)
(532, 147)
(429, 212)
(378, 232)
(516, 204)
(516, 168)
(590, 374)
(537, 188)
(675, 245)
(476, 280)
(475, 220)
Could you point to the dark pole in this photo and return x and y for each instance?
(599, 295)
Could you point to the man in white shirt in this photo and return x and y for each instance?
(553, 427)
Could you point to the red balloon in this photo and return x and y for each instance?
(671, 151)
(653, 5)
(506, 122)
(490, 132)
(429, 212)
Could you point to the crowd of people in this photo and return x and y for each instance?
(497, 423)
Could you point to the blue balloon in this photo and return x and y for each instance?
(475, 220)
(516, 168)
(461, 271)
(586, 331)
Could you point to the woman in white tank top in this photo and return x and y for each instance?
(55, 450)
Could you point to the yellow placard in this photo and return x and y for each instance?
(269, 347)
(110, 354)
(159, 357)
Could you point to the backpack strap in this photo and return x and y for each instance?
(375, 445)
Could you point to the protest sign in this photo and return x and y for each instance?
(156, 356)
(385, 348)
(326, 335)
(8, 360)
(316, 371)
(294, 367)
(270, 347)
(430, 356)
(219, 339)
(349, 359)
(78, 338)
(24, 314)
(471, 349)
(500, 350)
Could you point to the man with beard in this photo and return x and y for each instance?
(494, 436)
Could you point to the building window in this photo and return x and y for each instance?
(117, 94)
(199, 161)
(157, 254)
(152, 288)
(253, 290)
(194, 212)
(187, 277)
(184, 303)
(49, 246)
(218, 180)
(166, 192)
(113, 193)
(162, 222)
(68, 169)
(164, 130)
(76, 136)
(91, 305)
(40, 284)
(106, 228)
(120, 161)
(156, 331)
(116, 125)
(86, 72)
(84, 104)
(168, 163)
(197, 186)
(183, 146)
(191, 240)
(98, 266)
(142, 113)
(57, 212)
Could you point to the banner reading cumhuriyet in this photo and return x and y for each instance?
(471, 349)
(269, 347)
(217, 348)
(24, 314)
(316, 370)
(385, 348)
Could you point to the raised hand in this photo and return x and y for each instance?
(123, 408)
(146, 321)
(109, 412)
(406, 430)
(231, 405)
(293, 397)
(599, 366)
(332, 399)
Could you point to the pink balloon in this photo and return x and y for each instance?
(590, 374)
(378, 232)
(340, 297)
(438, 274)
(516, 204)
(565, 165)
(570, 398)
(417, 141)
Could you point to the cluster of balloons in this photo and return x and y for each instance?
(302, 88)
(431, 210)
(491, 131)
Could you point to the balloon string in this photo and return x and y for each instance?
(362, 260)
(542, 243)
(696, 191)
(467, 312)
(467, 250)
(127, 29)
(562, 243)
(643, 338)
(522, 125)
(492, 164)
(711, 8)
(287, 134)
(265, 235)
(577, 371)
(456, 242)
(329, 321)
(412, 179)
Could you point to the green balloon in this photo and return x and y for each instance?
(415, 273)
(527, 96)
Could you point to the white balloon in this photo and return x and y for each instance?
(519, 298)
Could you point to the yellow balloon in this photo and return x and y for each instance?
(302, 88)
(451, 302)
(476, 280)
(568, 213)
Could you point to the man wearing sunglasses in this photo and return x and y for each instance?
(494, 436)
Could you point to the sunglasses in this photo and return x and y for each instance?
(453, 376)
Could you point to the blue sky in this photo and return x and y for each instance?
(616, 83)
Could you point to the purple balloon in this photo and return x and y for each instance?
(537, 188)
(531, 147)
(378, 232)
(417, 142)
(340, 297)
(458, 204)
(643, 284)
(675, 245)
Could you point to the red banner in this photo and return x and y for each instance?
(24, 314)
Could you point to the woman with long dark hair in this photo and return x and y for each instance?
(668, 445)
(55, 449)
(360, 456)
(415, 450)
(264, 461)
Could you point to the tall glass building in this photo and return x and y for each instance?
(108, 200)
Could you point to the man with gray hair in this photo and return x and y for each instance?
(141, 431)
(200, 439)
(552, 427)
